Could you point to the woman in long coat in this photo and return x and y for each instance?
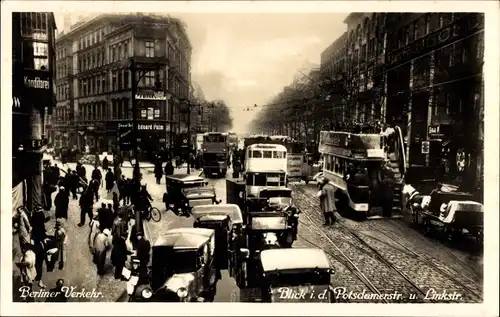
(101, 247)
(61, 202)
(119, 256)
(110, 180)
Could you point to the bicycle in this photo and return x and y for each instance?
(153, 214)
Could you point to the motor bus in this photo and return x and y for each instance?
(233, 140)
(344, 152)
(215, 149)
(265, 165)
(295, 156)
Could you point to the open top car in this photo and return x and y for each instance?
(185, 191)
(285, 272)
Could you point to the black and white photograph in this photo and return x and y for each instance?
(203, 155)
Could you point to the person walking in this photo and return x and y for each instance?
(86, 203)
(105, 220)
(97, 175)
(94, 229)
(119, 227)
(61, 242)
(158, 171)
(110, 180)
(143, 247)
(105, 163)
(326, 197)
(38, 236)
(117, 172)
(101, 248)
(74, 182)
(61, 202)
(22, 226)
(119, 255)
(169, 169)
(27, 268)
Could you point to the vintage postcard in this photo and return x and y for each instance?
(240, 153)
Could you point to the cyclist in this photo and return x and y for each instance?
(144, 200)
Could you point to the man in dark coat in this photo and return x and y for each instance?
(119, 255)
(110, 180)
(119, 227)
(94, 189)
(81, 171)
(169, 169)
(122, 182)
(38, 235)
(61, 202)
(56, 172)
(105, 220)
(143, 248)
(86, 203)
(105, 163)
(158, 171)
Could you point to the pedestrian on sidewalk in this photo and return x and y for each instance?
(116, 204)
(105, 220)
(38, 236)
(158, 171)
(94, 187)
(143, 247)
(27, 268)
(119, 255)
(101, 248)
(118, 171)
(61, 202)
(110, 180)
(22, 226)
(94, 230)
(97, 175)
(326, 197)
(119, 227)
(105, 163)
(61, 241)
(75, 179)
(86, 204)
(81, 171)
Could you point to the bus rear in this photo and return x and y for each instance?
(215, 154)
(295, 155)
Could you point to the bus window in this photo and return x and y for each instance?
(256, 154)
(259, 179)
(282, 180)
(277, 154)
(249, 179)
(267, 154)
(337, 166)
(273, 179)
(342, 167)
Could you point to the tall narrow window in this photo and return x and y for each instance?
(114, 82)
(120, 72)
(150, 49)
(125, 49)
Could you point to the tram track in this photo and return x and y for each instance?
(420, 272)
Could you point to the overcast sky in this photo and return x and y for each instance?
(247, 58)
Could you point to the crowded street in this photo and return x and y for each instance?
(141, 175)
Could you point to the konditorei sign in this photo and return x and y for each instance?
(36, 83)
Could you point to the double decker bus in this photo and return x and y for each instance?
(296, 156)
(265, 166)
(215, 149)
(354, 164)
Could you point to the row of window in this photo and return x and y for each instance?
(35, 55)
(120, 109)
(91, 39)
(61, 115)
(35, 25)
(120, 51)
(265, 179)
(61, 53)
(62, 92)
(335, 164)
(91, 60)
(267, 154)
(62, 69)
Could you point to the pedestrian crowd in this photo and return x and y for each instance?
(111, 229)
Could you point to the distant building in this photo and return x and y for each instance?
(94, 82)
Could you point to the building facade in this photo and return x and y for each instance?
(99, 81)
(33, 61)
(421, 71)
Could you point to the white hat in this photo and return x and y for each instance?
(61, 188)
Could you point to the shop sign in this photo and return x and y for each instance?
(151, 127)
(36, 83)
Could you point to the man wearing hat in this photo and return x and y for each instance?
(61, 240)
(61, 202)
(143, 249)
(326, 197)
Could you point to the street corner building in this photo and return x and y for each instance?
(96, 62)
(33, 100)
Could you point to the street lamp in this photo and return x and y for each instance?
(185, 106)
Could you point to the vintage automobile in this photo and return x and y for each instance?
(449, 212)
(186, 191)
(294, 275)
(226, 220)
(183, 268)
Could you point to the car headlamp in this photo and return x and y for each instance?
(182, 292)
(146, 293)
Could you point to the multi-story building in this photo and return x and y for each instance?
(33, 60)
(101, 82)
(434, 89)
(421, 71)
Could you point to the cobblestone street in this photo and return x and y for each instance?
(385, 256)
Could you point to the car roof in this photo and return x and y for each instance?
(186, 178)
(184, 238)
(281, 188)
(228, 209)
(297, 258)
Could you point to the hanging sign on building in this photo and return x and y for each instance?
(36, 83)
(150, 97)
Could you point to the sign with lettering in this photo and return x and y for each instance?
(151, 127)
(150, 97)
(36, 83)
(460, 28)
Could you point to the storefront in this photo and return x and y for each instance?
(151, 138)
